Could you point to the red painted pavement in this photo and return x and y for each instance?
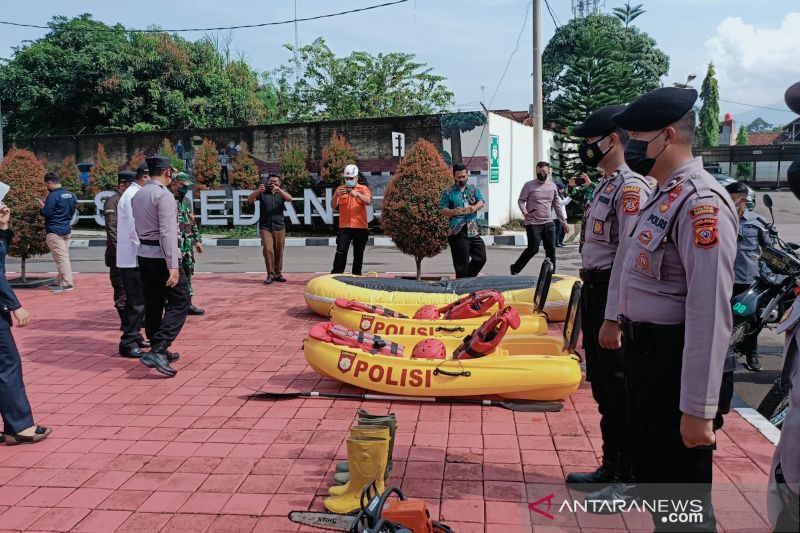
(133, 451)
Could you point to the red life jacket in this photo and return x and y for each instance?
(487, 337)
(473, 305)
(367, 308)
(341, 336)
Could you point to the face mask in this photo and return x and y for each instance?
(636, 155)
(541, 176)
(350, 183)
(590, 153)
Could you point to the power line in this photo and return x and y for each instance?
(260, 25)
(753, 105)
(552, 15)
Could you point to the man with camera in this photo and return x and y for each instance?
(351, 199)
(272, 225)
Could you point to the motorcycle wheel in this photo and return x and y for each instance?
(775, 401)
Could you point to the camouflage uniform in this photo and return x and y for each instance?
(189, 236)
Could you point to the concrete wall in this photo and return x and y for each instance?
(371, 139)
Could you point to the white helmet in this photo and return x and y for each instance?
(350, 171)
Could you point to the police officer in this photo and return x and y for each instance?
(166, 295)
(124, 179)
(620, 193)
(189, 237)
(783, 498)
(674, 305)
(753, 235)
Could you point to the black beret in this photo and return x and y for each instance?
(792, 97)
(141, 169)
(599, 122)
(158, 163)
(737, 187)
(126, 176)
(657, 109)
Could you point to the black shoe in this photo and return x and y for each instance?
(279, 279)
(133, 353)
(611, 499)
(171, 356)
(196, 311)
(591, 481)
(158, 360)
(268, 281)
(511, 268)
(753, 364)
(142, 343)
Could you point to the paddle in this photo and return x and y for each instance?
(528, 407)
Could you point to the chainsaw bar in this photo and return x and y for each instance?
(328, 521)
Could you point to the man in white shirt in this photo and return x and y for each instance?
(132, 342)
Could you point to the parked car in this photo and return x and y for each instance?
(725, 180)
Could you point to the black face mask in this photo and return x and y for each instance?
(180, 192)
(590, 153)
(541, 176)
(636, 155)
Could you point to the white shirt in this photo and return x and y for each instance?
(127, 239)
(563, 202)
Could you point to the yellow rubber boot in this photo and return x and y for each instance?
(367, 457)
(381, 432)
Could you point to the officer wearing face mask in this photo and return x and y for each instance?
(783, 496)
(189, 237)
(614, 208)
(674, 305)
(351, 199)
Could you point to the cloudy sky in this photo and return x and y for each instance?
(753, 44)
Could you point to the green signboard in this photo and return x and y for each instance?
(494, 159)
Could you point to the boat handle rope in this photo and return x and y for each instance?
(453, 329)
(464, 373)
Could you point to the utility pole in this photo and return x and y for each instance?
(536, 108)
(296, 45)
(1, 131)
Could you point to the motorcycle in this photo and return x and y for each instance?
(765, 302)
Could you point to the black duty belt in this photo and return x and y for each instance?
(595, 275)
(149, 242)
(647, 332)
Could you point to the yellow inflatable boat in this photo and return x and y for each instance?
(453, 320)
(406, 296)
(525, 367)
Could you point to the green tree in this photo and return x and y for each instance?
(206, 169)
(759, 125)
(360, 85)
(137, 159)
(103, 176)
(25, 175)
(744, 171)
(410, 212)
(167, 150)
(454, 124)
(245, 171)
(293, 169)
(70, 176)
(337, 155)
(635, 54)
(708, 134)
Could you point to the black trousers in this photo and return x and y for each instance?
(605, 371)
(133, 313)
(663, 467)
(14, 406)
(560, 233)
(359, 238)
(165, 308)
(117, 285)
(537, 234)
(469, 254)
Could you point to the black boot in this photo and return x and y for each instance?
(591, 481)
(141, 342)
(753, 364)
(196, 311)
(157, 359)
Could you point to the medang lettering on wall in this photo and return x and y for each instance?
(216, 208)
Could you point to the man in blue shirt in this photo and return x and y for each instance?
(460, 203)
(58, 210)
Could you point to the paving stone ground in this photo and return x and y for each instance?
(133, 451)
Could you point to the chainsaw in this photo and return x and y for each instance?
(377, 515)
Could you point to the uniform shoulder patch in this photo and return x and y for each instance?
(706, 210)
(630, 200)
(705, 232)
(632, 188)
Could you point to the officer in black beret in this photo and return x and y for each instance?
(614, 208)
(674, 306)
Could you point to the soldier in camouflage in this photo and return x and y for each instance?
(189, 238)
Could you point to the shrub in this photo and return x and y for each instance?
(168, 151)
(25, 175)
(294, 169)
(103, 176)
(410, 212)
(206, 168)
(245, 171)
(70, 176)
(337, 155)
(137, 159)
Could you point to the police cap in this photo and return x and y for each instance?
(737, 187)
(157, 164)
(657, 109)
(126, 176)
(142, 169)
(792, 97)
(599, 122)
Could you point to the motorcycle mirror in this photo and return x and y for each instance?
(768, 201)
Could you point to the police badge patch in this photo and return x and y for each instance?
(598, 227)
(346, 361)
(643, 261)
(705, 233)
(366, 322)
(645, 237)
